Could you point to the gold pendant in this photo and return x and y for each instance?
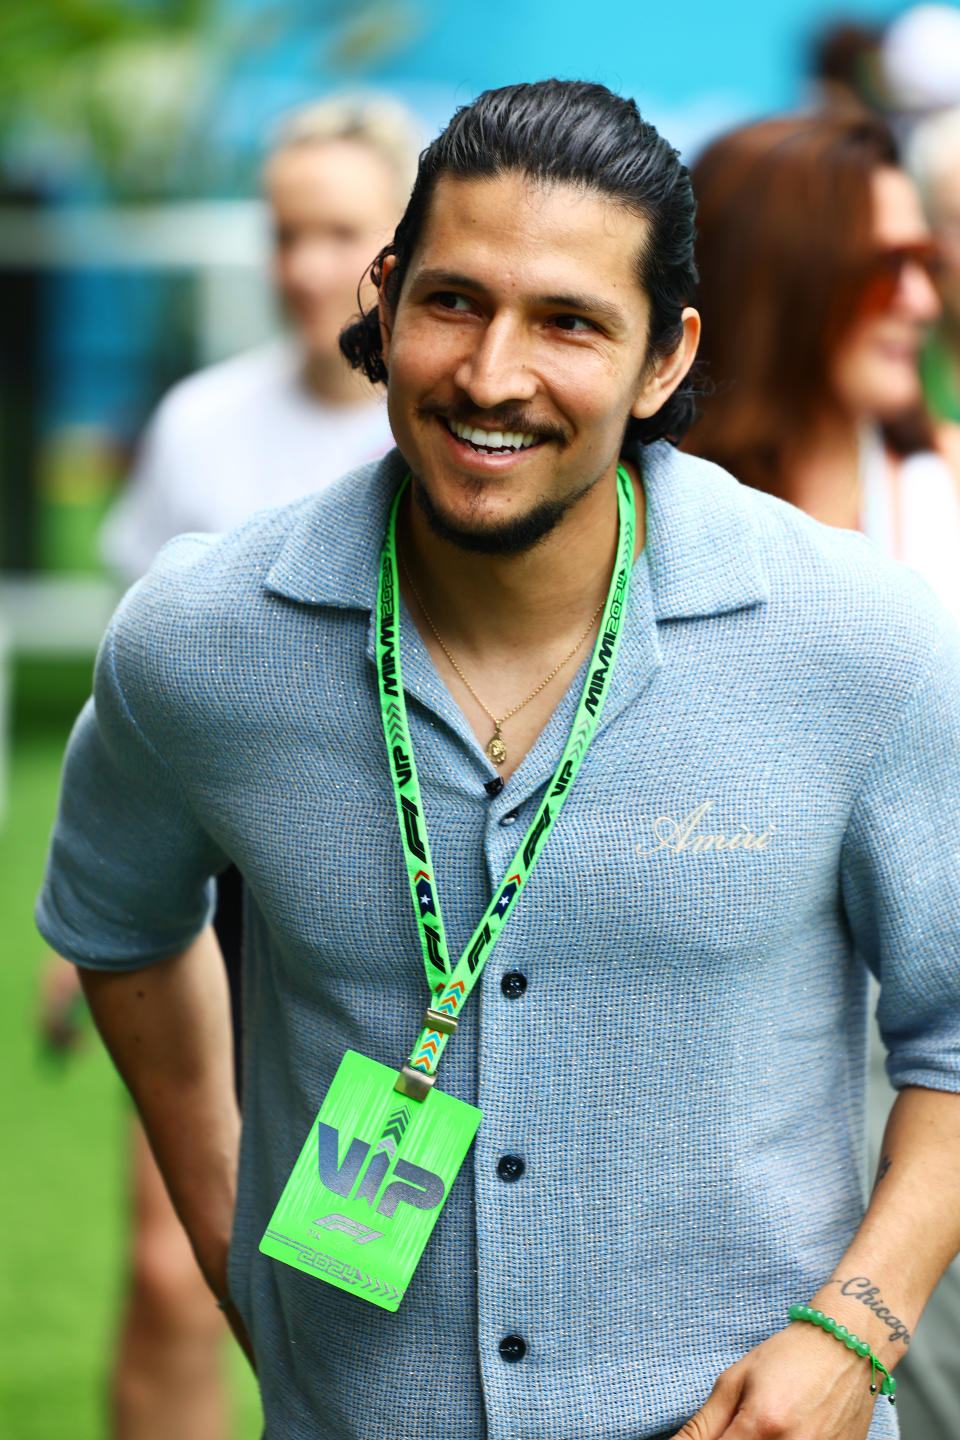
(496, 748)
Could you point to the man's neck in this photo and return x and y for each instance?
(516, 627)
(487, 604)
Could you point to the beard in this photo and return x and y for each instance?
(514, 537)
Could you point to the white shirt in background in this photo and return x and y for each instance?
(235, 438)
(912, 511)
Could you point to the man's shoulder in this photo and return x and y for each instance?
(319, 549)
(839, 575)
(201, 629)
(834, 599)
(811, 562)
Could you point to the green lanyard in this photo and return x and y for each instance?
(452, 985)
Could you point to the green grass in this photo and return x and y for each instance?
(63, 1204)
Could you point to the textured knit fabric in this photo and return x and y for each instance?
(771, 804)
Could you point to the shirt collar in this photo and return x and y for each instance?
(701, 545)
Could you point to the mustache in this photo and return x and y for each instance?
(503, 418)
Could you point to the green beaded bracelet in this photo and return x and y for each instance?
(888, 1386)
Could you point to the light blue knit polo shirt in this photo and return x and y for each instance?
(772, 799)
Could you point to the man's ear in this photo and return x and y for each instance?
(669, 370)
(385, 310)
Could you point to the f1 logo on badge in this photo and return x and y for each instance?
(412, 1186)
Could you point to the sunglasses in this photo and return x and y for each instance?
(885, 271)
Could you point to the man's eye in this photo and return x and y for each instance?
(450, 300)
(573, 323)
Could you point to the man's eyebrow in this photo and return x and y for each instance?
(590, 304)
(446, 280)
(582, 301)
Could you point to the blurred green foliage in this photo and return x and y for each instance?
(121, 84)
(131, 88)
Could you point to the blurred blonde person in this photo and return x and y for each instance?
(283, 420)
(258, 430)
(817, 290)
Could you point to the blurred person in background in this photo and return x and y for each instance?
(920, 65)
(285, 419)
(816, 293)
(261, 429)
(933, 159)
(845, 64)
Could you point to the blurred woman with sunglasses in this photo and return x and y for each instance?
(816, 291)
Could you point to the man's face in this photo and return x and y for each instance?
(334, 206)
(516, 353)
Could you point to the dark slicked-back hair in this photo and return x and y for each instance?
(574, 133)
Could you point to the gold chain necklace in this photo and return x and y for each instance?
(495, 747)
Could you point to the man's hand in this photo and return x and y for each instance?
(801, 1384)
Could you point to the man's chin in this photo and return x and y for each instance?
(513, 537)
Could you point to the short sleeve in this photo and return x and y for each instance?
(129, 875)
(900, 876)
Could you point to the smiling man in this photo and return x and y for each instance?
(567, 679)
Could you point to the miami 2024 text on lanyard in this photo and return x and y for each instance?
(370, 1181)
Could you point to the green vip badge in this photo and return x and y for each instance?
(363, 1198)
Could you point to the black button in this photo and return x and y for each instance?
(513, 1347)
(510, 819)
(494, 786)
(510, 1167)
(513, 984)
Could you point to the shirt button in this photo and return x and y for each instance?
(509, 819)
(513, 984)
(513, 1347)
(510, 1167)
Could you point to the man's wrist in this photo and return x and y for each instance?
(858, 1302)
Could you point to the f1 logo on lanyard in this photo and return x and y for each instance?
(369, 1184)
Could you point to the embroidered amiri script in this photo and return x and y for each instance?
(687, 835)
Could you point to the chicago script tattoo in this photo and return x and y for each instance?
(882, 1168)
(860, 1288)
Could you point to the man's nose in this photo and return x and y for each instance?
(497, 368)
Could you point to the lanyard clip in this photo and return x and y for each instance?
(415, 1084)
(436, 1020)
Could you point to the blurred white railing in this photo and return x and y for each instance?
(184, 235)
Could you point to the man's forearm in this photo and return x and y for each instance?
(168, 1029)
(799, 1383)
(911, 1230)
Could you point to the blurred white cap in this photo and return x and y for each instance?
(920, 58)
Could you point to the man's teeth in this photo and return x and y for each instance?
(492, 439)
